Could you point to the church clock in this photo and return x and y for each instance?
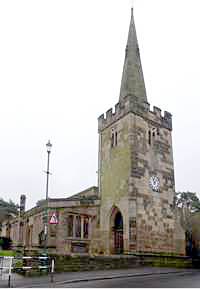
(154, 183)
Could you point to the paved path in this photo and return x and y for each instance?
(62, 279)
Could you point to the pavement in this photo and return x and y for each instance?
(75, 277)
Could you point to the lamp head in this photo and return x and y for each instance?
(49, 146)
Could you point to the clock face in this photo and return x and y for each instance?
(154, 183)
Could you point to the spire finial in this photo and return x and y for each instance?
(132, 1)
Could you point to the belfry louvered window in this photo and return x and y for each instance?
(149, 137)
(114, 138)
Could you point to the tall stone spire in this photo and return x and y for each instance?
(132, 78)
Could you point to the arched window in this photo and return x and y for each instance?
(78, 227)
(86, 228)
(70, 225)
(116, 138)
(149, 137)
(112, 139)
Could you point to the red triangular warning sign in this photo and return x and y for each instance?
(53, 219)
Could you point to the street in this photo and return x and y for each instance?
(132, 277)
(169, 280)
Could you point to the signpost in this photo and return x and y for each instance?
(53, 219)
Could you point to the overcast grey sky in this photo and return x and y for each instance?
(60, 68)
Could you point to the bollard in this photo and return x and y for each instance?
(10, 272)
(52, 269)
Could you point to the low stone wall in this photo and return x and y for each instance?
(165, 261)
(86, 263)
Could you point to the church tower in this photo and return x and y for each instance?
(136, 170)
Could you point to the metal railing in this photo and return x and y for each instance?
(11, 264)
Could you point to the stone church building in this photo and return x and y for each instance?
(133, 208)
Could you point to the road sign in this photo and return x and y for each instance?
(53, 219)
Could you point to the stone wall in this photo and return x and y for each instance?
(115, 166)
(86, 263)
(143, 149)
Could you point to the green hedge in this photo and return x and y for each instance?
(7, 253)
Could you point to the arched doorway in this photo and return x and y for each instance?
(118, 233)
(117, 243)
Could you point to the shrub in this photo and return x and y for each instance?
(5, 243)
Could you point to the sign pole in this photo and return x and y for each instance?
(10, 272)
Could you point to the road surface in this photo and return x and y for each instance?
(189, 280)
(132, 277)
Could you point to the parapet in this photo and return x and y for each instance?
(167, 120)
(131, 104)
(111, 116)
(157, 111)
(164, 120)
